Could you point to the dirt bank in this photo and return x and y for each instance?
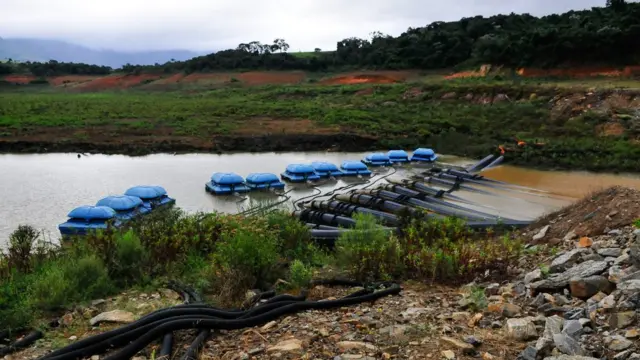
(230, 143)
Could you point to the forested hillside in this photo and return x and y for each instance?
(609, 35)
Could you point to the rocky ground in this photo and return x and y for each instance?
(578, 299)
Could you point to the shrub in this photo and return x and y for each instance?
(367, 252)
(69, 280)
(300, 275)
(130, 257)
(21, 243)
(249, 252)
(294, 238)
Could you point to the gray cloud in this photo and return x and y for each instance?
(219, 24)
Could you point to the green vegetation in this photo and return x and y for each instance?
(600, 36)
(468, 117)
(223, 256)
(637, 223)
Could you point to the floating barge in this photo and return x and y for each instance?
(115, 210)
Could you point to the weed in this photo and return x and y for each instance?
(544, 270)
(637, 223)
(300, 274)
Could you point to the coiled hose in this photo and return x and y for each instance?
(135, 336)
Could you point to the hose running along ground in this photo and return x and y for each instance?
(134, 337)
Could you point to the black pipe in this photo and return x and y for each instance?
(26, 341)
(144, 332)
(167, 346)
(435, 205)
(495, 162)
(479, 164)
(320, 217)
(193, 351)
(140, 343)
(349, 209)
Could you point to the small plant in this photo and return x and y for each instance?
(300, 275)
(478, 299)
(368, 252)
(544, 270)
(637, 223)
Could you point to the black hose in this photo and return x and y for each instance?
(144, 331)
(196, 346)
(22, 343)
(167, 346)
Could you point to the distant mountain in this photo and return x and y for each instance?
(45, 50)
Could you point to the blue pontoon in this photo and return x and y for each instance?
(354, 168)
(326, 169)
(377, 159)
(127, 207)
(299, 173)
(424, 155)
(87, 218)
(152, 196)
(259, 181)
(398, 156)
(226, 183)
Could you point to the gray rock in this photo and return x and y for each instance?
(585, 288)
(631, 273)
(566, 260)
(559, 281)
(568, 345)
(570, 357)
(621, 320)
(541, 234)
(618, 343)
(532, 276)
(530, 353)
(521, 329)
(615, 232)
(634, 356)
(572, 328)
(570, 236)
(610, 252)
(116, 316)
(562, 300)
(623, 355)
(629, 287)
(552, 326)
(636, 234)
(608, 302)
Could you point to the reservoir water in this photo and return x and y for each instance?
(40, 189)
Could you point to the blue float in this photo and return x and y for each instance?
(326, 169)
(152, 196)
(259, 181)
(127, 207)
(87, 218)
(299, 173)
(424, 155)
(226, 183)
(354, 168)
(398, 156)
(377, 159)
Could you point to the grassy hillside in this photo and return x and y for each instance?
(581, 128)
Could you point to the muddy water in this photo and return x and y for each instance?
(41, 189)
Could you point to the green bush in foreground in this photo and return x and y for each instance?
(223, 256)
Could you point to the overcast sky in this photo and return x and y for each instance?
(203, 25)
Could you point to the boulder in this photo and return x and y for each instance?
(116, 316)
(561, 280)
(521, 329)
(584, 288)
(566, 260)
(621, 320)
